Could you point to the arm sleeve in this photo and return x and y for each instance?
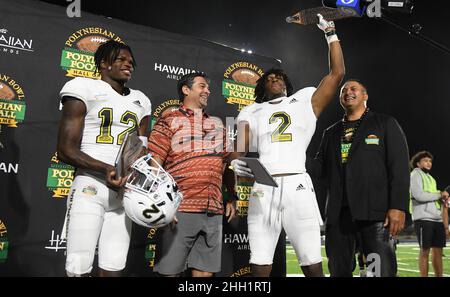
(245, 116)
(147, 105)
(417, 191)
(397, 161)
(307, 94)
(76, 88)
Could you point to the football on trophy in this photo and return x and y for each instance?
(91, 43)
(246, 76)
(6, 92)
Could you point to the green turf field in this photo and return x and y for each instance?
(406, 257)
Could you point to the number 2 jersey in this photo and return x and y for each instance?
(109, 115)
(281, 132)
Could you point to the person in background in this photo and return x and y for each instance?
(429, 213)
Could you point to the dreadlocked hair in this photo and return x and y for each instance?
(260, 89)
(109, 51)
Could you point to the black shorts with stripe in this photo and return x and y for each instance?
(430, 234)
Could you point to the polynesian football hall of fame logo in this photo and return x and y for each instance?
(77, 57)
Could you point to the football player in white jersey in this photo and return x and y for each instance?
(280, 126)
(97, 114)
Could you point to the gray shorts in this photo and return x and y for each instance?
(195, 242)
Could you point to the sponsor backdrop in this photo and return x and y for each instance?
(41, 49)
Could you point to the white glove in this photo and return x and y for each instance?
(328, 28)
(240, 168)
(144, 140)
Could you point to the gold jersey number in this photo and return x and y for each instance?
(278, 135)
(106, 114)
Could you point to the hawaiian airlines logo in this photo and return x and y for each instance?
(172, 71)
(236, 238)
(13, 44)
(240, 240)
(9, 167)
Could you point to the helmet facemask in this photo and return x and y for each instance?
(151, 197)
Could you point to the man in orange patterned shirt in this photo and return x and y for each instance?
(192, 147)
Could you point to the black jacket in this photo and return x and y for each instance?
(377, 175)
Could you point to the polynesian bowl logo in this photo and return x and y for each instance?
(4, 244)
(90, 190)
(59, 178)
(238, 87)
(77, 58)
(150, 248)
(164, 107)
(243, 271)
(12, 104)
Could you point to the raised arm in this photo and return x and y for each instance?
(330, 83)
